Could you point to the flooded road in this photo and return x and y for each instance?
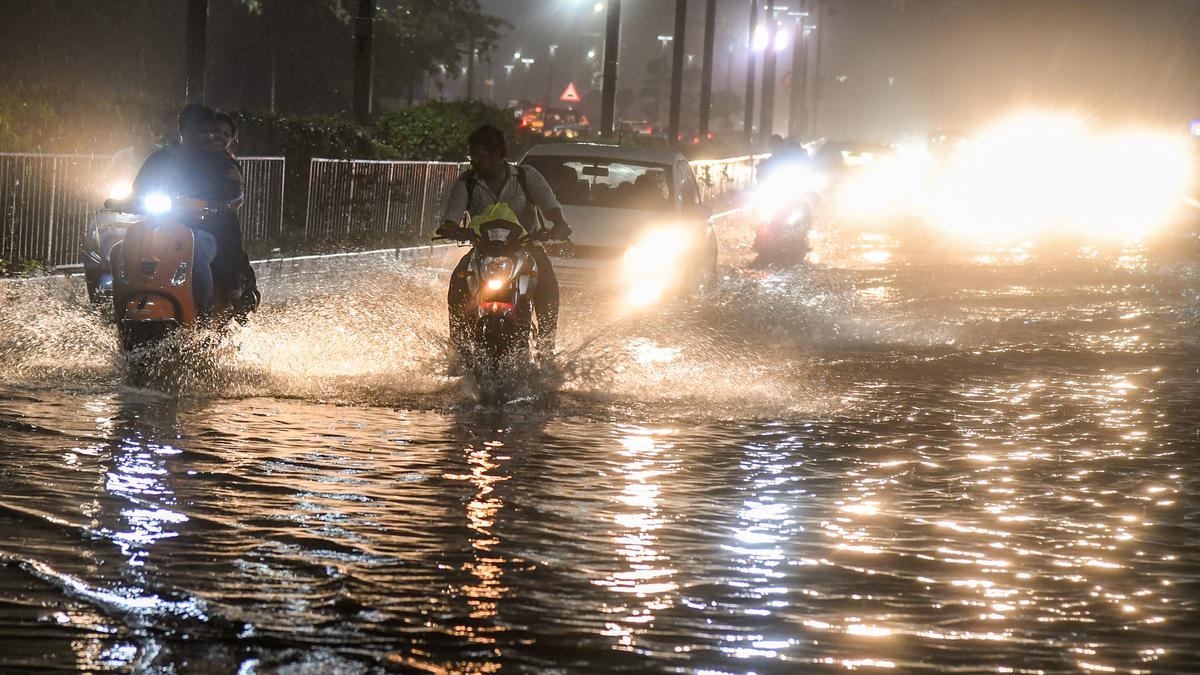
(904, 457)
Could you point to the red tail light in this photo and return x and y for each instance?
(496, 307)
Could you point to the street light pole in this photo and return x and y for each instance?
(818, 78)
(612, 45)
(194, 47)
(798, 111)
(677, 69)
(767, 125)
(550, 76)
(748, 124)
(364, 36)
(471, 71)
(706, 70)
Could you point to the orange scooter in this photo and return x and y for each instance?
(153, 270)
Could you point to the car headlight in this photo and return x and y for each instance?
(119, 189)
(656, 247)
(157, 203)
(654, 264)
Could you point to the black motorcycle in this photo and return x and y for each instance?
(500, 325)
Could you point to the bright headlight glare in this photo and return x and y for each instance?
(495, 284)
(119, 189)
(157, 203)
(656, 247)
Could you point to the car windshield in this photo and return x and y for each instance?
(609, 183)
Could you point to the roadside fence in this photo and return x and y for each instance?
(721, 179)
(47, 200)
(349, 198)
(353, 197)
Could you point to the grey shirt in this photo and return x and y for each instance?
(539, 192)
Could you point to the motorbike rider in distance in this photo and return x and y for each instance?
(492, 180)
(200, 168)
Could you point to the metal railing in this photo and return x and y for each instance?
(722, 178)
(46, 201)
(262, 211)
(348, 199)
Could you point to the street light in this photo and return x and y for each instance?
(761, 38)
(516, 56)
(664, 39)
(781, 39)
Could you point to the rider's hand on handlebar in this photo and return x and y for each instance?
(453, 233)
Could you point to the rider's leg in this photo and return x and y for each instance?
(546, 300)
(457, 299)
(204, 251)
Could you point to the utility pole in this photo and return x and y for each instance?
(364, 35)
(706, 70)
(612, 45)
(194, 48)
(677, 69)
(471, 71)
(818, 77)
(798, 110)
(767, 126)
(748, 124)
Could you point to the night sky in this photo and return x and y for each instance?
(951, 63)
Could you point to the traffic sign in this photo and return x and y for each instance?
(569, 94)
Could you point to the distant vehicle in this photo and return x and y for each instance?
(637, 217)
(638, 127)
(838, 157)
(552, 121)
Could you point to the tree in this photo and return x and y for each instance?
(413, 38)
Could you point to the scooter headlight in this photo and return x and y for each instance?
(157, 203)
(120, 189)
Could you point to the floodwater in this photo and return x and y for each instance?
(909, 455)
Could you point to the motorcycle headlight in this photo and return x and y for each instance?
(497, 267)
(157, 203)
(497, 272)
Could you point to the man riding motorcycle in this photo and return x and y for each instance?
(492, 180)
(199, 167)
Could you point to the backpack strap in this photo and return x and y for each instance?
(471, 180)
(530, 207)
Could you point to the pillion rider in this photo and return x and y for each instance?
(493, 179)
(199, 167)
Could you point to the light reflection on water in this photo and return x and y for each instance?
(902, 462)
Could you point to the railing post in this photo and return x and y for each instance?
(424, 198)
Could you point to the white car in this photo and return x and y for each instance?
(636, 214)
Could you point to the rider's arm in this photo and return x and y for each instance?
(543, 197)
(456, 203)
(151, 175)
(233, 190)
